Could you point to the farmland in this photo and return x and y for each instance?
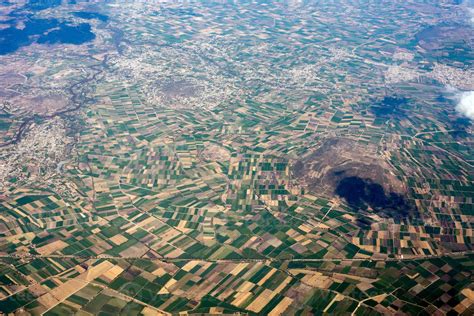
(239, 159)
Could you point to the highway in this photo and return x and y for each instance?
(168, 259)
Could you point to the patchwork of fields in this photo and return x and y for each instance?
(262, 160)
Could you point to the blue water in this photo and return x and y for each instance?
(42, 4)
(68, 35)
(44, 31)
(12, 39)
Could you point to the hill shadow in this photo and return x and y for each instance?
(364, 194)
(390, 106)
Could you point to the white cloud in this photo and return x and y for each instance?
(470, 11)
(465, 104)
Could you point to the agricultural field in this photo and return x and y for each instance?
(206, 158)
